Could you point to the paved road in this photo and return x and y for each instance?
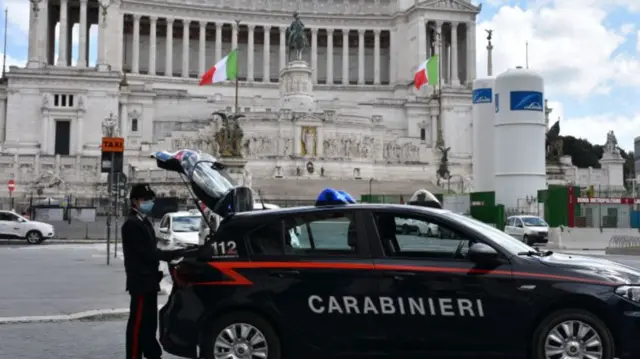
(59, 279)
(69, 340)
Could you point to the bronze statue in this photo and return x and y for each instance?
(489, 34)
(443, 168)
(229, 136)
(554, 143)
(296, 37)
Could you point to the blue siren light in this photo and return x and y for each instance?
(332, 197)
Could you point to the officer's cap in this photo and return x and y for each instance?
(142, 191)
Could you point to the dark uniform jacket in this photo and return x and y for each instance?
(141, 255)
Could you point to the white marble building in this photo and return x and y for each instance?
(369, 121)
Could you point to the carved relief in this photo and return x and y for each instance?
(256, 146)
(308, 140)
(352, 146)
(396, 152)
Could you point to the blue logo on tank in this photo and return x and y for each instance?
(497, 103)
(483, 95)
(526, 101)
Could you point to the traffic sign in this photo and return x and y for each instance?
(113, 144)
(12, 185)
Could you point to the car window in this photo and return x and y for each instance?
(5, 216)
(267, 240)
(518, 222)
(164, 222)
(186, 224)
(534, 222)
(510, 221)
(333, 232)
(407, 236)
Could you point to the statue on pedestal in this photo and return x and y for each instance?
(554, 143)
(611, 146)
(229, 136)
(443, 167)
(296, 37)
(110, 126)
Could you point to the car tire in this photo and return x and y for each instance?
(429, 234)
(34, 237)
(207, 341)
(525, 239)
(556, 319)
(405, 229)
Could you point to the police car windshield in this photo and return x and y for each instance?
(509, 243)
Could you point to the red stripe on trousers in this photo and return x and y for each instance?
(136, 328)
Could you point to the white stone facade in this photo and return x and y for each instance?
(369, 123)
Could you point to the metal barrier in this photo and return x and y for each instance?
(624, 245)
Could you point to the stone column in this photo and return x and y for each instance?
(33, 32)
(471, 52)
(455, 78)
(44, 145)
(82, 41)
(345, 56)
(266, 55)
(135, 62)
(80, 133)
(153, 24)
(314, 55)
(250, 55)
(393, 45)
(361, 34)
(376, 56)
(124, 118)
(437, 49)
(185, 47)
(422, 39)
(218, 41)
(434, 130)
(168, 56)
(101, 43)
(297, 138)
(203, 47)
(64, 32)
(329, 80)
(234, 36)
(283, 47)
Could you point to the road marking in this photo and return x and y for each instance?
(86, 315)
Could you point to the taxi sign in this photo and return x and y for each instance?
(113, 144)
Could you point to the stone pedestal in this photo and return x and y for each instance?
(296, 87)
(236, 168)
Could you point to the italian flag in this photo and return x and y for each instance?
(427, 73)
(224, 70)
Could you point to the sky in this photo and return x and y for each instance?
(588, 52)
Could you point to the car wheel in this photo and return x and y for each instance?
(405, 229)
(241, 335)
(572, 333)
(34, 237)
(429, 234)
(525, 239)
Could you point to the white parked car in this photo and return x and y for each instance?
(179, 229)
(15, 226)
(528, 229)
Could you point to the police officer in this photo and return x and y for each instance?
(141, 261)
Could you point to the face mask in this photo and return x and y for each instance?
(146, 206)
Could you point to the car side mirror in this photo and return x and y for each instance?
(164, 230)
(22, 220)
(482, 253)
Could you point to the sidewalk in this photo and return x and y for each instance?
(59, 279)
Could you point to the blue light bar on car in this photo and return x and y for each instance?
(332, 197)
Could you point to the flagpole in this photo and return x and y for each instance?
(4, 55)
(237, 80)
(439, 139)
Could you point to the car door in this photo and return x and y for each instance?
(6, 225)
(509, 227)
(444, 304)
(319, 285)
(519, 229)
(13, 225)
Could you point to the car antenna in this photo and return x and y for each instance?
(261, 200)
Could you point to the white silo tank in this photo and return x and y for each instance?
(519, 136)
(483, 114)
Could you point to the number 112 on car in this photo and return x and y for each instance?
(224, 249)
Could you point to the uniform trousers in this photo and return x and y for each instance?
(142, 327)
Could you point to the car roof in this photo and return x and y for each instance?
(347, 207)
(525, 216)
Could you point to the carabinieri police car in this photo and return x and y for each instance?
(356, 286)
